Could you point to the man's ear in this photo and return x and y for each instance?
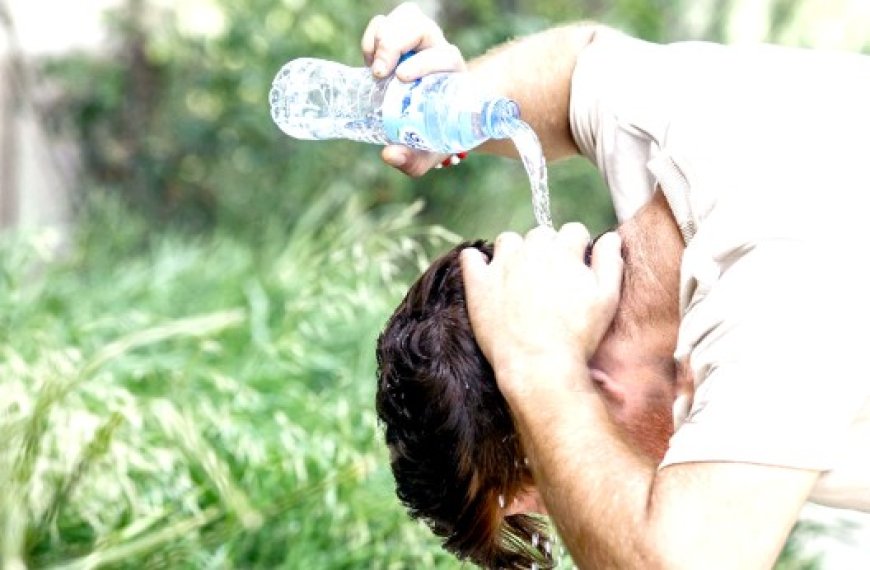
(610, 390)
(526, 501)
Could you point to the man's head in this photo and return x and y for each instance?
(455, 452)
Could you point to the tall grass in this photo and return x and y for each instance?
(179, 401)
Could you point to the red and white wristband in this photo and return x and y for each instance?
(452, 160)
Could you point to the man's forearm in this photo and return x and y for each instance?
(536, 72)
(596, 490)
(615, 509)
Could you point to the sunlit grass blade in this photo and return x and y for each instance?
(137, 547)
(198, 326)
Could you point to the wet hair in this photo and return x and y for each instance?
(454, 450)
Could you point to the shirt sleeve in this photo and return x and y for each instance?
(611, 102)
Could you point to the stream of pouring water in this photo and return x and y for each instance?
(532, 155)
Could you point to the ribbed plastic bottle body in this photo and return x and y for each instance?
(317, 99)
(444, 112)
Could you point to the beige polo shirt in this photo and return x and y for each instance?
(763, 154)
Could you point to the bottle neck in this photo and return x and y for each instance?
(500, 118)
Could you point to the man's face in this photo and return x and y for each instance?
(633, 366)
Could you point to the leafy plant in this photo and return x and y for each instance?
(197, 402)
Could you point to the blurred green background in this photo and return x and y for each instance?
(187, 368)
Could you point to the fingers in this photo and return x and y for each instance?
(404, 29)
(540, 234)
(368, 39)
(607, 264)
(446, 57)
(409, 161)
(396, 155)
(505, 244)
(384, 41)
(575, 237)
(539, 283)
(474, 265)
(473, 262)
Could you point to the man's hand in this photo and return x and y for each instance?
(537, 303)
(384, 41)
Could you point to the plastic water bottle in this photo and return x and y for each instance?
(316, 99)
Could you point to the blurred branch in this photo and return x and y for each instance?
(18, 96)
(8, 143)
(139, 100)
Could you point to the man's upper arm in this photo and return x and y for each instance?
(726, 515)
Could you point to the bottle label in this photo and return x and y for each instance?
(404, 112)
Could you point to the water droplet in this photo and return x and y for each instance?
(526, 461)
(501, 501)
(548, 548)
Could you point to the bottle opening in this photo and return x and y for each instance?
(501, 118)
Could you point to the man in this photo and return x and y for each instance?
(756, 156)
(455, 452)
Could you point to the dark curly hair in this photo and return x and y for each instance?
(455, 452)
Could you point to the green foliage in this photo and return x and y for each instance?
(202, 403)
